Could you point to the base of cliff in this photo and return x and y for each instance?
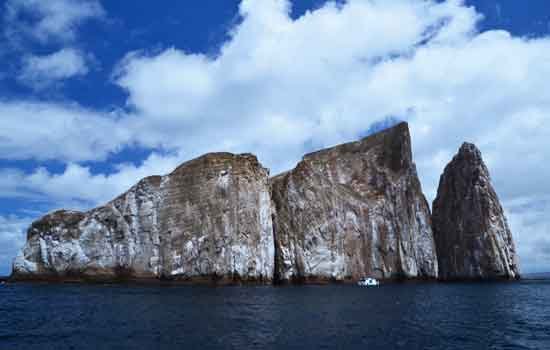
(104, 279)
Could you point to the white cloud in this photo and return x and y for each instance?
(280, 87)
(12, 238)
(77, 187)
(280, 83)
(42, 71)
(56, 20)
(529, 217)
(52, 131)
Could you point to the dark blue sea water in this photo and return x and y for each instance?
(396, 316)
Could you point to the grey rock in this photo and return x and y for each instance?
(210, 219)
(353, 210)
(470, 229)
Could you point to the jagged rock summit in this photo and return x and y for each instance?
(471, 232)
(354, 210)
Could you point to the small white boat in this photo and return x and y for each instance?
(368, 282)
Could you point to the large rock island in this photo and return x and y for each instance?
(354, 210)
(342, 213)
(471, 232)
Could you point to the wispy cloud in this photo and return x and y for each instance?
(40, 72)
(51, 20)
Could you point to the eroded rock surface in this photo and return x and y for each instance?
(209, 219)
(471, 232)
(354, 210)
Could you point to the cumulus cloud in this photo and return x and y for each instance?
(280, 87)
(43, 131)
(280, 84)
(44, 21)
(42, 71)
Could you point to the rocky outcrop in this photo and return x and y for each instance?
(471, 233)
(343, 213)
(210, 219)
(353, 210)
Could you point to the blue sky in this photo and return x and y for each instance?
(97, 94)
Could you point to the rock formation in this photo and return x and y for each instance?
(353, 210)
(210, 219)
(343, 213)
(472, 236)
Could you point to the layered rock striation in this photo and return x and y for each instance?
(210, 219)
(354, 210)
(470, 229)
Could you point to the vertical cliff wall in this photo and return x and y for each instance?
(215, 219)
(471, 232)
(209, 219)
(353, 210)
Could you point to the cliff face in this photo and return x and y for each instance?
(215, 218)
(209, 219)
(471, 233)
(353, 210)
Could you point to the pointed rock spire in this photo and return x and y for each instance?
(472, 236)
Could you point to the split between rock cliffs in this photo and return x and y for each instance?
(343, 213)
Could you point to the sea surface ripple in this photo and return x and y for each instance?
(393, 316)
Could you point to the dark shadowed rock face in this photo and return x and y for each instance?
(353, 210)
(209, 219)
(472, 236)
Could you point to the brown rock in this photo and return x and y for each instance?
(353, 210)
(471, 232)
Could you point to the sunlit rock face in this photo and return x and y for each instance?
(208, 220)
(215, 219)
(471, 232)
(354, 210)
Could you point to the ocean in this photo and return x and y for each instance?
(392, 316)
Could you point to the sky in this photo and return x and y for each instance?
(95, 95)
